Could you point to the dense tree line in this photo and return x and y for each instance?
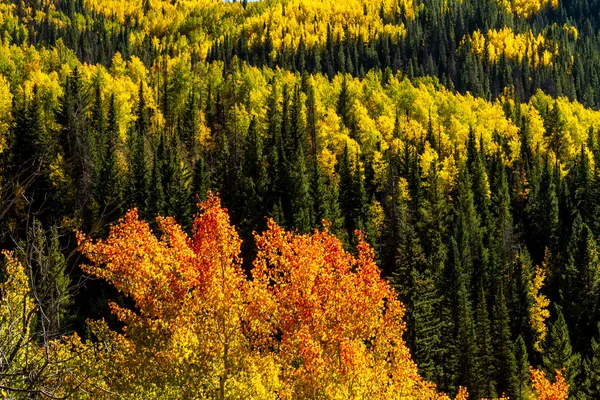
(482, 211)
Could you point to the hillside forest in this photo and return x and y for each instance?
(300, 199)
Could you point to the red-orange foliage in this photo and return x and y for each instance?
(185, 333)
(545, 390)
(315, 321)
(339, 323)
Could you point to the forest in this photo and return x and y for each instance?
(300, 199)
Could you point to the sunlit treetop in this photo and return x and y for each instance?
(527, 8)
(498, 43)
(291, 21)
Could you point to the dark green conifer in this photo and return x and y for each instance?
(559, 353)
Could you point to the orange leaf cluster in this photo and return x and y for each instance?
(315, 321)
(545, 390)
(340, 325)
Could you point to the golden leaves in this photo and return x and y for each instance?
(504, 42)
(527, 8)
(539, 312)
(191, 305)
(549, 391)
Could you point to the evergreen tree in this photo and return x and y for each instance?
(559, 353)
(580, 283)
(255, 174)
(140, 192)
(300, 191)
(591, 370)
(110, 190)
(425, 322)
(506, 371)
(464, 328)
(485, 355)
(76, 144)
(177, 188)
(555, 130)
(157, 201)
(523, 374)
(201, 180)
(542, 212)
(344, 105)
(521, 299)
(352, 194)
(467, 230)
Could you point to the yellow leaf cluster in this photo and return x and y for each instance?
(539, 312)
(292, 20)
(538, 50)
(527, 8)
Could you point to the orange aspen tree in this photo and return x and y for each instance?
(184, 337)
(338, 323)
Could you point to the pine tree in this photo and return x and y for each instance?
(98, 123)
(523, 374)
(157, 201)
(503, 234)
(200, 181)
(467, 229)
(188, 124)
(424, 321)
(178, 186)
(274, 150)
(110, 190)
(300, 193)
(300, 196)
(139, 190)
(521, 299)
(555, 130)
(591, 370)
(580, 282)
(255, 176)
(583, 190)
(76, 144)
(318, 191)
(31, 150)
(485, 355)
(559, 353)
(506, 372)
(464, 327)
(542, 212)
(344, 105)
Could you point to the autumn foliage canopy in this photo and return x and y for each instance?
(312, 320)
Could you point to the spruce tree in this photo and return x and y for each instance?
(200, 181)
(464, 329)
(523, 374)
(467, 229)
(591, 370)
(424, 322)
(178, 186)
(559, 352)
(76, 144)
(506, 371)
(344, 105)
(157, 201)
(139, 190)
(580, 282)
(255, 176)
(300, 191)
(109, 191)
(485, 385)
